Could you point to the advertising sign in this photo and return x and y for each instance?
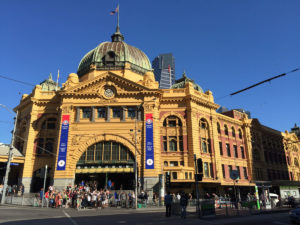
(62, 154)
(149, 142)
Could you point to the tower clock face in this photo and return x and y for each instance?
(109, 92)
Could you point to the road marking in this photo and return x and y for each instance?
(280, 223)
(70, 218)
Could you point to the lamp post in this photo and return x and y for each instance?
(135, 155)
(10, 154)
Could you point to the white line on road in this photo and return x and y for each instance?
(280, 223)
(70, 218)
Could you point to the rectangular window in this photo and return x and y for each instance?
(245, 172)
(228, 150)
(49, 145)
(204, 145)
(190, 175)
(242, 152)
(131, 112)
(40, 146)
(116, 112)
(209, 145)
(181, 163)
(235, 151)
(115, 151)
(239, 172)
(186, 175)
(173, 163)
(86, 112)
(99, 150)
(221, 148)
(223, 171)
(123, 153)
(106, 155)
(206, 171)
(90, 154)
(172, 123)
(211, 168)
(165, 143)
(173, 143)
(101, 112)
(174, 175)
(181, 143)
(230, 169)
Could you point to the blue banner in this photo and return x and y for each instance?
(62, 154)
(149, 142)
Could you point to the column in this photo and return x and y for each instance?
(77, 114)
(107, 113)
(93, 114)
(123, 113)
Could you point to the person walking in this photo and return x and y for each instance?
(183, 204)
(168, 203)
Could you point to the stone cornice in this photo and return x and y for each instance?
(229, 119)
(203, 102)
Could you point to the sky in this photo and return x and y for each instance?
(224, 46)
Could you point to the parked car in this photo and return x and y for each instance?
(295, 215)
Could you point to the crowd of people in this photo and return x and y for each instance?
(85, 196)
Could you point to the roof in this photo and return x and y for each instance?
(180, 83)
(114, 55)
(4, 150)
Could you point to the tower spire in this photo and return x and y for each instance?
(117, 36)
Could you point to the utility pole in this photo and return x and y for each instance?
(10, 154)
(44, 186)
(135, 163)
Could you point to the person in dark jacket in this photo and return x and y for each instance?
(183, 204)
(168, 203)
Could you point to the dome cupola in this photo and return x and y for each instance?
(113, 56)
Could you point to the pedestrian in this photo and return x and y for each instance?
(183, 204)
(168, 203)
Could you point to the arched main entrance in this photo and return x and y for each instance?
(106, 163)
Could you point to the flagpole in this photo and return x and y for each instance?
(57, 80)
(118, 20)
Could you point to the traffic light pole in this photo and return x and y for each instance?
(197, 188)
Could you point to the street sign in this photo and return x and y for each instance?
(234, 175)
(14, 164)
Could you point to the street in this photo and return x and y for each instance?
(38, 216)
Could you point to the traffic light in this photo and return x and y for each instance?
(199, 165)
(198, 177)
(168, 180)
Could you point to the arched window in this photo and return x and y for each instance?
(106, 152)
(203, 124)
(233, 131)
(45, 142)
(296, 162)
(226, 129)
(240, 134)
(219, 128)
(172, 121)
(172, 126)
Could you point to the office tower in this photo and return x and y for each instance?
(164, 70)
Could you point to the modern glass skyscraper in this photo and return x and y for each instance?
(164, 70)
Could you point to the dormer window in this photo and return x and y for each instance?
(109, 58)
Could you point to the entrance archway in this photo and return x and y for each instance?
(106, 164)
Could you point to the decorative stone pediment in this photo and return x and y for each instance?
(105, 86)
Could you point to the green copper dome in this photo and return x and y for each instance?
(114, 55)
(180, 83)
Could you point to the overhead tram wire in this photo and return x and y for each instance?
(259, 83)
(18, 81)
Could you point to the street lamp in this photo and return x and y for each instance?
(10, 153)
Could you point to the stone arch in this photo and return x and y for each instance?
(162, 119)
(107, 137)
(44, 118)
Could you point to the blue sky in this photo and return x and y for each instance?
(223, 45)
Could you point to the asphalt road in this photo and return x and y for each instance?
(38, 216)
